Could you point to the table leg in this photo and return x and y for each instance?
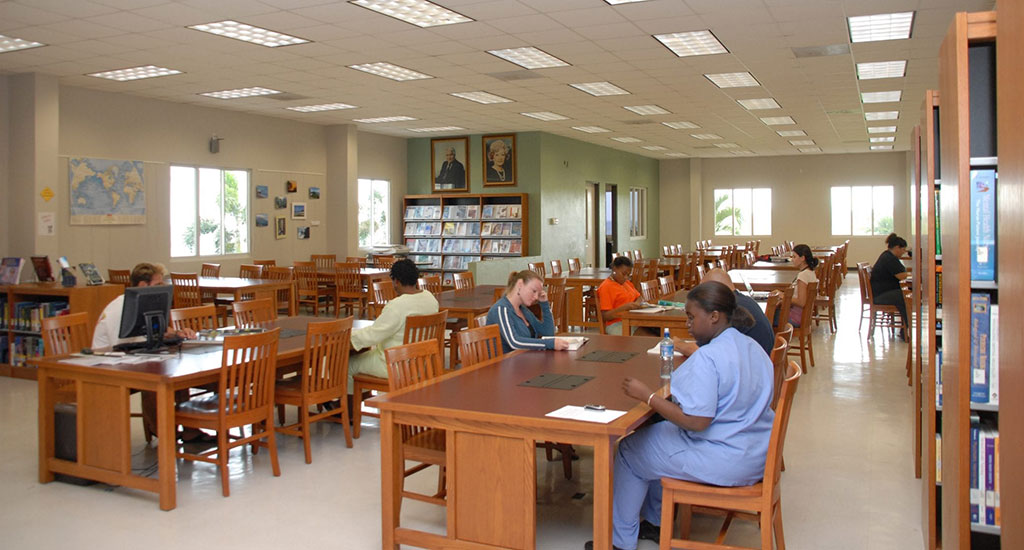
(46, 445)
(627, 330)
(391, 465)
(167, 446)
(604, 460)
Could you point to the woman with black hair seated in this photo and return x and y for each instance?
(886, 275)
(805, 261)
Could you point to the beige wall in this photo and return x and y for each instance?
(5, 195)
(674, 206)
(384, 158)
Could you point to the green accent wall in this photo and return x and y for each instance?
(554, 171)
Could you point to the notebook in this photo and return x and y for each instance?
(575, 342)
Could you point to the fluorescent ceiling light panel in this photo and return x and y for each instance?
(777, 120)
(882, 69)
(238, 93)
(881, 147)
(437, 129)
(685, 44)
(742, 153)
(417, 12)
(760, 103)
(810, 149)
(791, 133)
(647, 110)
(617, 2)
(626, 139)
(799, 142)
(681, 125)
(599, 88)
(705, 136)
(321, 107)
(591, 129)
(249, 33)
(676, 155)
(655, 148)
(727, 146)
(482, 97)
(387, 70)
(135, 73)
(881, 97)
(883, 26)
(887, 139)
(882, 115)
(881, 129)
(733, 80)
(381, 119)
(545, 115)
(10, 44)
(529, 58)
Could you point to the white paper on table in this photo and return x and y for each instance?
(652, 309)
(93, 360)
(575, 342)
(89, 361)
(656, 350)
(575, 412)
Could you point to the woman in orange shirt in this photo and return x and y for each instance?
(617, 294)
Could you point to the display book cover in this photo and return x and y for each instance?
(91, 274)
(44, 271)
(10, 270)
(983, 224)
(984, 349)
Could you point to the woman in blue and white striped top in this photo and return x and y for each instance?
(520, 328)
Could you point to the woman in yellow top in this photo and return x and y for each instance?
(618, 295)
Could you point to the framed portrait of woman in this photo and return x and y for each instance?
(449, 164)
(499, 160)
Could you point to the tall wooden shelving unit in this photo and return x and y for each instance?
(966, 80)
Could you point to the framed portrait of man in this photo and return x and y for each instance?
(499, 160)
(449, 164)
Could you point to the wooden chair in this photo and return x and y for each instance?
(120, 277)
(638, 255)
(384, 262)
(772, 305)
(254, 313)
(245, 396)
(196, 318)
(574, 264)
(784, 306)
(592, 314)
(480, 320)
(764, 498)
(556, 299)
(348, 288)
(431, 284)
(883, 316)
(865, 293)
(650, 290)
(323, 262)
(538, 268)
(361, 260)
(265, 263)
(207, 297)
(407, 365)
(308, 289)
(186, 290)
(322, 378)
(778, 357)
(556, 267)
(383, 292)
(281, 273)
(250, 271)
(480, 344)
(803, 346)
(463, 280)
(827, 300)
(666, 285)
(418, 328)
(64, 335)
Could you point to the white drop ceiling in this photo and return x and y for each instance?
(600, 42)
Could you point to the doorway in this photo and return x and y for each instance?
(591, 246)
(611, 218)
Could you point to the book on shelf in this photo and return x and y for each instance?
(938, 286)
(23, 348)
(29, 315)
(43, 269)
(423, 212)
(10, 270)
(473, 211)
(975, 497)
(91, 274)
(938, 377)
(984, 474)
(993, 355)
(488, 211)
(983, 225)
(982, 389)
(938, 223)
(515, 211)
(938, 457)
(987, 481)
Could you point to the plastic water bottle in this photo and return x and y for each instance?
(668, 349)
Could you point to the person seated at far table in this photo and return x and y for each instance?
(761, 331)
(886, 275)
(717, 423)
(388, 330)
(805, 262)
(519, 327)
(618, 295)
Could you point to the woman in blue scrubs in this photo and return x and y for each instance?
(717, 422)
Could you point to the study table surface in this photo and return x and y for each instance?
(781, 266)
(101, 395)
(492, 424)
(762, 279)
(237, 286)
(467, 303)
(587, 276)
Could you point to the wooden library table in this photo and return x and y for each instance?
(587, 276)
(762, 279)
(237, 286)
(673, 319)
(492, 424)
(468, 303)
(102, 393)
(782, 266)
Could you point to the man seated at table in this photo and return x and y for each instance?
(618, 295)
(388, 330)
(761, 331)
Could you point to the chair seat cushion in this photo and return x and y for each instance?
(288, 386)
(679, 485)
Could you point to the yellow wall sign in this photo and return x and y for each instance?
(47, 194)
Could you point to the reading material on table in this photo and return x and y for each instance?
(652, 309)
(575, 342)
(575, 412)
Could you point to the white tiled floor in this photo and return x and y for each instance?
(849, 482)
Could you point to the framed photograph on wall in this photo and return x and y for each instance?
(298, 210)
(499, 160)
(280, 227)
(449, 164)
(290, 186)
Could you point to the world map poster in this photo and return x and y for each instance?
(106, 192)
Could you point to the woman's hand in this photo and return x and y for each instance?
(686, 347)
(636, 389)
(543, 296)
(561, 344)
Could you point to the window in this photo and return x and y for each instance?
(638, 212)
(736, 214)
(374, 213)
(209, 211)
(863, 210)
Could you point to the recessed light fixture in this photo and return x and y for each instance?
(647, 110)
(676, 155)
(800, 142)
(882, 115)
(437, 129)
(591, 129)
(881, 129)
(881, 97)
(321, 107)
(886, 139)
(381, 119)
(733, 80)
(238, 93)
(626, 139)
(655, 148)
(681, 125)
(249, 33)
(599, 88)
(387, 70)
(417, 12)
(777, 120)
(882, 69)
(760, 103)
(685, 44)
(883, 26)
(482, 97)
(10, 44)
(545, 115)
(705, 136)
(810, 149)
(881, 147)
(791, 133)
(727, 146)
(135, 73)
(529, 58)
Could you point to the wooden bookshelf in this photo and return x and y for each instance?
(81, 298)
(967, 135)
(446, 232)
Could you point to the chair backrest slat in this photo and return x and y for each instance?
(431, 283)
(773, 460)
(325, 360)
(195, 318)
(410, 364)
(419, 328)
(65, 334)
(254, 313)
(248, 366)
(463, 280)
(324, 261)
(186, 290)
(119, 277)
(479, 344)
(574, 264)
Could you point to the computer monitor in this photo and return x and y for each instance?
(145, 313)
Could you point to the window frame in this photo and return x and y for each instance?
(388, 210)
(849, 210)
(248, 194)
(638, 213)
(751, 191)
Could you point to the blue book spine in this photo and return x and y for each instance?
(938, 377)
(980, 321)
(975, 492)
(983, 225)
(990, 477)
